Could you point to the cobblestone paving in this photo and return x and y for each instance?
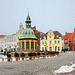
(37, 67)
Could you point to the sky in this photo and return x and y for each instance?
(55, 15)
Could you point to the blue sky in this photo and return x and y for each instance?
(45, 15)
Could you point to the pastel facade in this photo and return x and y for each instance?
(51, 42)
(11, 42)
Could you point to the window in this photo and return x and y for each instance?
(58, 41)
(55, 42)
(57, 36)
(22, 45)
(45, 48)
(50, 48)
(42, 48)
(55, 48)
(50, 36)
(17, 43)
(50, 42)
(58, 48)
(26, 32)
(66, 41)
(27, 45)
(12, 45)
(35, 45)
(73, 47)
(45, 42)
(42, 42)
(32, 45)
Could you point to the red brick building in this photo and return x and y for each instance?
(38, 34)
(73, 41)
(66, 41)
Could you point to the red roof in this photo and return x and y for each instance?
(2, 35)
(63, 37)
(70, 35)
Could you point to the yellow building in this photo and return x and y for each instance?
(51, 41)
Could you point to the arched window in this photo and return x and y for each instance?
(58, 41)
(50, 48)
(42, 42)
(45, 42)
(55, 42)
(55, 48)
(50, 36)
(26, 32)
(58, 48)
(50, 42)
(42, 48)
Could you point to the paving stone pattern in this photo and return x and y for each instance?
(37, 67)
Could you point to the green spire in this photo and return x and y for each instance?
(28, 21)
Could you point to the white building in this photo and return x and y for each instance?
(2, 40)
(11, 42)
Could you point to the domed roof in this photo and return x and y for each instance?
(28, 33)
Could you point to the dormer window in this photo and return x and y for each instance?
(57, 36)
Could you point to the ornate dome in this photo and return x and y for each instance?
(28, 33)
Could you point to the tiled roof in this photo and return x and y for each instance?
(2, 35)
(38, 34)
(70, 35)
(55, 33)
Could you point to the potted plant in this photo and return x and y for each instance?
(38, 54)
(50, 52)
(34, 55)
(47, 54)
(9, 57)
(57, 53)
(53, 53)
(43, 54)
(30, 55)
(22, 56)
(16, 56)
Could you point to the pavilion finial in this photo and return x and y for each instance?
(28, 11)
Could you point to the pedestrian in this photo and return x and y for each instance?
(4, 53)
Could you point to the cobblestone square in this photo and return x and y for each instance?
(37, 67)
